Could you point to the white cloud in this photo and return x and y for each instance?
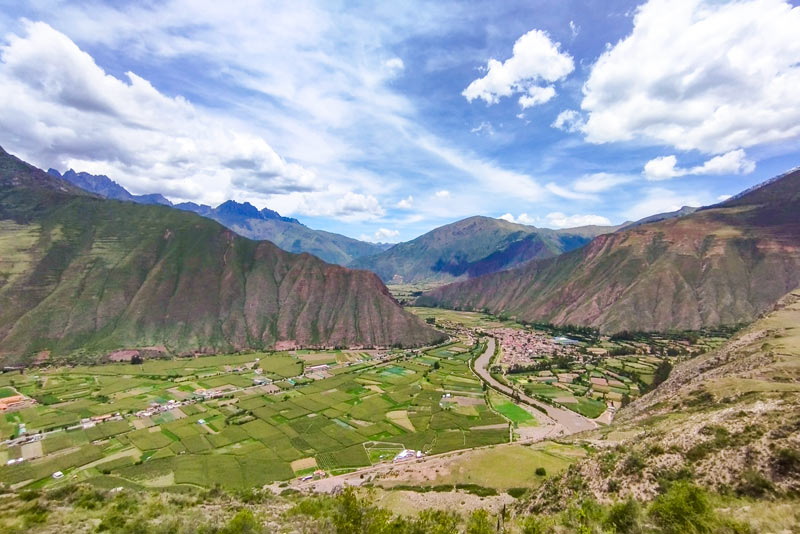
(575, 29)
(661, 200)
(536, 95)
(394, 64)
(484, 127)
(405, 203)
(564, 192)
(600, 181)
(733, 162)
(703, 75)
(523, 218)
(568, 120)
(442, 194)
(63, 110)
(535, 59)
(560, 220)
(382, 235)
(723, 198)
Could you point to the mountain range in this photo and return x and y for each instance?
(80, 272)
(723, 264)
(472, 247)
(244, 219)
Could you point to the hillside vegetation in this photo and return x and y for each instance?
(83, 273)
(719, 265)
(728, 420)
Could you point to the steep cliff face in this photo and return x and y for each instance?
(80, 272)
(719, 265)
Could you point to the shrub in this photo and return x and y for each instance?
(787, 461)
(244, 522)
(633, 464)
(541, 471)
(754, 484)
(534, 525)
(516, 492)
(684, 509)
(624, 517)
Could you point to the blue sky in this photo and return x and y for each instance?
(384, 120)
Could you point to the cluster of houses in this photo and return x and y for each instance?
(520, 347)
(89, 422)
(157, 408)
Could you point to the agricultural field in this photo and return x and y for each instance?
(532, 464)
(462, 318)
(206, 421)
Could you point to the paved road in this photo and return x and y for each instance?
(570, 421)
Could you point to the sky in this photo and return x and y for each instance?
(384, 120)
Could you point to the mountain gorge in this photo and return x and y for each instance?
(81, 272)
(719, 265)
(472, 247)
(244, 219)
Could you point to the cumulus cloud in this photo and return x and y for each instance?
(381, 235)
(600, 181)
(700, 75)
(406, 203)
(665, 167)
(557, 219)
(444, 193)
(523, 218)
(568, 120)
(63, 110)
(536, 63)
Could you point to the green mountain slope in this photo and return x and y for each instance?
(720, 265)
(472, 247)
(80, 272)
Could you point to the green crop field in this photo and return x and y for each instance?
(246, 435)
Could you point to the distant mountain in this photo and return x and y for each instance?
(106, 187)
(289, 234)
(80, 274)
(719, 265)
(244, 219)
(684, 211)
(472, 247)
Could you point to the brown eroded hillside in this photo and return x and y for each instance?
(82, 273)
(720, 265)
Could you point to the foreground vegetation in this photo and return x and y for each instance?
(681, 509)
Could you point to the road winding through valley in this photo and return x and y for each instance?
(569, 421)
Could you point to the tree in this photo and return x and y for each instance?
(662, 373)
